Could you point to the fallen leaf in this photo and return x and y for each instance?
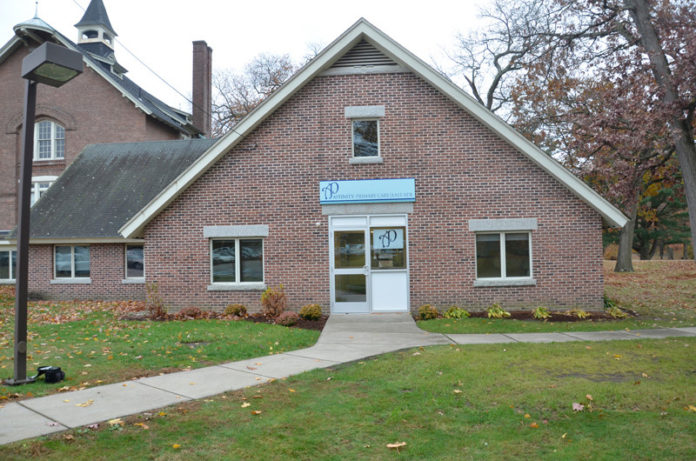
(534, 425)
(526, 415)
(115, 422)
(588, 397)
(176, 446)
(578, 406)
(291, 390)
(257, 396)
(143, 425)
(256, 412)
(161, 413)
(617, 356)
(645, 375)
(246, 404)
(85, 404)
(69, 437)
(457, 391)
(564, 435)
(251, 368)
(396, 445)
(691, 408)
(94, 426)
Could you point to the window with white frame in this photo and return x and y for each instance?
(236, 261)
(8, 265)
(503, 255)
(135, 262)
(71, 262)
(49, 140)
(39, 185)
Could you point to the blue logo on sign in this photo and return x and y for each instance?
(330, 190)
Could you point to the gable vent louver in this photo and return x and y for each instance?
(363, 54)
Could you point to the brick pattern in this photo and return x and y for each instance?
(107, 271)
(91, 110)
(463, 171)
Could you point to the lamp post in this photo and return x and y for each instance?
(52, 65)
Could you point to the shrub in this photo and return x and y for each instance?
(579, 313)
(311, 312)
(287, 318)
(608, 302)
(155, 305)
(455, 312)
(189, 313)
(273, 302)
(237, 310)
(427, 312)
(541, 313)
(616, 312)
(495, 311)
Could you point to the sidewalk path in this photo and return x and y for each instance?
(345, 338)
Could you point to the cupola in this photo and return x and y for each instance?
(95, 33)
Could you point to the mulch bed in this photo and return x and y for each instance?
(555, 316)
(301, 323)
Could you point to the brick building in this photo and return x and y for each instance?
(100, 105)
(367, 183)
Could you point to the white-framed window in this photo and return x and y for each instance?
(71, 262)
(236, 261)
(49, 140)
(365, 138)
(504, 256)
(39, 185)
(8, 265)
(135, 262)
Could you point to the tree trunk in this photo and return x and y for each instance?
(662, 250)
(670, 252)
(682, 132)
(624, 259)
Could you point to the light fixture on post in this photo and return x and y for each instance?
(52, 65)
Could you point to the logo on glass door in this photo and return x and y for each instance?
(389, 238)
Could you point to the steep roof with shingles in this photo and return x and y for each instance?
(107, 184)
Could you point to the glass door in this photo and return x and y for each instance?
(350, 271)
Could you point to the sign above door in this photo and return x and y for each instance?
(367, 191)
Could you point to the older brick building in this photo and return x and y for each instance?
(367, 183)
(100, 105)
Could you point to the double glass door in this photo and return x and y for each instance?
(369, 265)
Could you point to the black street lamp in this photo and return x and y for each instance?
(52, 65)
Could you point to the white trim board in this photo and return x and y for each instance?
(362, 29)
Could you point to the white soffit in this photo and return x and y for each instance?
(362, 29)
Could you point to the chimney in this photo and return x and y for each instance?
(202, 85)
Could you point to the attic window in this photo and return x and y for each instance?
(108, 39)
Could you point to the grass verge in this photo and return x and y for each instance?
(663, 293)
(477, 402)
(93, 347)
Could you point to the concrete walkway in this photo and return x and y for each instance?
(345, 338)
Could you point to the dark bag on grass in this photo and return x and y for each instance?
(52, 374)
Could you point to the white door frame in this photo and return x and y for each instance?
(365, 222)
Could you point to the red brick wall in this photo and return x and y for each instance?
(107, 272)
(463, 171)
(91, 110)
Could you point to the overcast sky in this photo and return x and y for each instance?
(160, 32)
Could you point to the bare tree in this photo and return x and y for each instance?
(512, 37)
(237, 94)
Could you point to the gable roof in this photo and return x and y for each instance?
(106, 185)
(39, 31)
(363, 30)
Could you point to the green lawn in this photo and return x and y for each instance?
(93, 347)
(511, 401)
(663, 293)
